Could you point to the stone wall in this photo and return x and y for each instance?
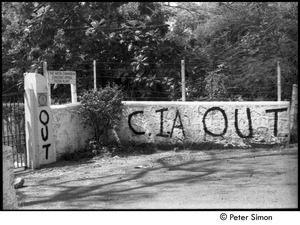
(68, 133)
(239, 124)
(227, 123)
(9, 193)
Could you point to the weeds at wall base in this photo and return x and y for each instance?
(130, 149)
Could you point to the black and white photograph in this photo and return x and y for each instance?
(151, 106)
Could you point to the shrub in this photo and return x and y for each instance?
(101, 109)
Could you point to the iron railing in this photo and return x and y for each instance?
(13, 127)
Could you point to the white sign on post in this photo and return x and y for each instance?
(62, 77)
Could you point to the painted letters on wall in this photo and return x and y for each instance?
(45, 131)
(263, 122)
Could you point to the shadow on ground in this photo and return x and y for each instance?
(131, 184)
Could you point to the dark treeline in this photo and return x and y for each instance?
(231, 49)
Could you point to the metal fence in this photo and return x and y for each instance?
(13, 127)
(164, 83)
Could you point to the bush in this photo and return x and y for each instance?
(101, 109)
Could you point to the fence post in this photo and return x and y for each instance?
(45, 71)
(183, 80)
(73, 93)
(95, 83)
(293, 133)
(278, 82)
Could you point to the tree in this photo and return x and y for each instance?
(136, 48)
(127, 43)
(248, 39)
(185, 18)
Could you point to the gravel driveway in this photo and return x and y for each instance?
(195, 179)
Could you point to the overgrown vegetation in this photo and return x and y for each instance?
(130, 149)
(101, 109)
(95, 150)
(139, 46)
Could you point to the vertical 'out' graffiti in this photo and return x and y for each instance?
(45, 134)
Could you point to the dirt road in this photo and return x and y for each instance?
(213, 179)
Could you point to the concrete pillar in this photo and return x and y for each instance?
(293, 135)
(38, 120)
(9, 192)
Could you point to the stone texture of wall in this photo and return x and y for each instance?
(228, 123)
(231, 124)
(9, 193)
(68, 133)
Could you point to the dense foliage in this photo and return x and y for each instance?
(231, 49)
(241, 41)
(101, 109)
